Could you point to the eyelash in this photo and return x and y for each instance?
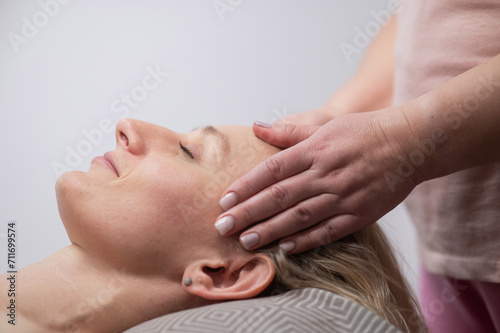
(186, 150)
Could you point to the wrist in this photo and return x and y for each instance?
(422, 139)
(412, 146)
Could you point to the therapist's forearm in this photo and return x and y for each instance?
(371, 86)
(455, 126)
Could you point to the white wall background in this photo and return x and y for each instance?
(260, 60)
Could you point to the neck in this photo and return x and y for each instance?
(68, 291)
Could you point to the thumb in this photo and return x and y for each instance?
(283, 135)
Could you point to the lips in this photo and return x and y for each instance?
(111, 161)
(108, 162)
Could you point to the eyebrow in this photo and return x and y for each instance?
(221, 138)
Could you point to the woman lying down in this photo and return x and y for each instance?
(143, 242)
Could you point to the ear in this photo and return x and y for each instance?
(226, 279)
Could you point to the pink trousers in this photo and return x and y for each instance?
(456, 306)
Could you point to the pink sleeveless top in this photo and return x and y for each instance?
(457, 217)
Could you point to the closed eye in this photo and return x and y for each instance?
(186, 150)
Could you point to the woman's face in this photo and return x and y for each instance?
(155, 198)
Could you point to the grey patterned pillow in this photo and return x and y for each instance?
(303, 310)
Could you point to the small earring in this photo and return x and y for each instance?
(188, 281)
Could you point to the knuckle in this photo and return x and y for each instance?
(245, 215)
(279, 195)
(245, 184)
(309, 242)
(329, 233)
(269, 232)
(293, 131)
(289, 128)
(275, 167)
(302, 217)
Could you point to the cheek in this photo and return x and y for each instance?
(160, 218)
(160, 205)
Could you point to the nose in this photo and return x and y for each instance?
(130, 135)
(138, 137)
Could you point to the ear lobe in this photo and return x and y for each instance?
(240, 278)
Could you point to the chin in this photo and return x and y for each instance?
(70, 189)
(70, 184)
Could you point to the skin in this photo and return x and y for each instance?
(138, 229)
(342, 177)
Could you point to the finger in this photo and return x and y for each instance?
(268, 202)
(284, 135)
(297, 218)
(282, 165)
(290, 119)
(326, 232)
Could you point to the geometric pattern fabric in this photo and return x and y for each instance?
(297, 311)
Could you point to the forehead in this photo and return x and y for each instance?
(244, 147)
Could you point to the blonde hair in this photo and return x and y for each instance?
(361, 267)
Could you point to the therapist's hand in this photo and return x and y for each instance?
(332, 182)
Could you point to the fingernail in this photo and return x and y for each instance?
(249, 240)
(287, 246)
(224, 225)
(228, 201)
(262, 124)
